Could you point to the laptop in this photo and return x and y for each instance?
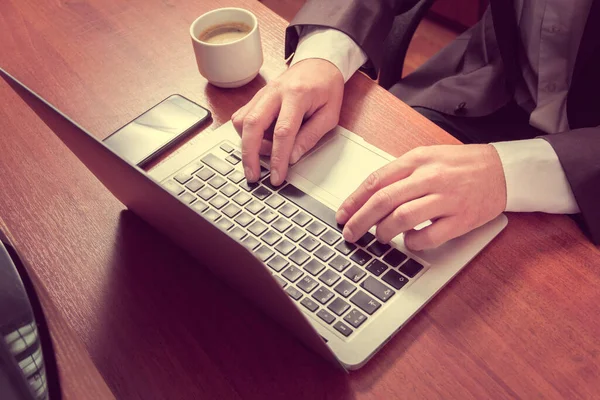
(280, 247)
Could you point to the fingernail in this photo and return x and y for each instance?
(249, 174)
(348, 236)
(275, 177)
(341, 216)
(295, 156)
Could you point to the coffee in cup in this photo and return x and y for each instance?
(227, 46)
(224, 33)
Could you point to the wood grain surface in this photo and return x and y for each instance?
(520, 321)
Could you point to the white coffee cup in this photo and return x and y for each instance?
(232, 64)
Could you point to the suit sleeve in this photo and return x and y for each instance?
(367, 22)
(579, 154)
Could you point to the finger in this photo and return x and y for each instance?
(381, 204)
(284, 134)
(435, 234)
(388, 174)
(313, 130)
(266, 147)
(237, 118)
(255, 122)
(408, 215)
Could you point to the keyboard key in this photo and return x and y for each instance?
(182, 177)
(271, 237)
(339, 263)
(281, 224)
(211, 215)
(324, 253)
(292, 273)
(277, 263)
(250, 242)
(376, 267)
(257, 228)
(299, 257)
(254, 207)
(365, 302)
(345, 288)
(293, 292)
(342, 328)
(224, 224)
(308, 303)
(355, 318)
(231, 210)
(323, 295)
(173, 187)
(238, 154)
(218, 202)
(187, 198)
(274, 201)
(217, 182)
(329, 277)
(377, 289)
(295, 234)
(242, 198)
(229, 190)
(314, 267)
(231, 159)
(288, 210)
(338, 306)
(302, 219)
(217, 164)
(267, 183)
(345, 247)
(378, 248)
(244, 219)
(326, 316)
(310, 204)
(236, 177)
(280, 281)
(360, 257)
(309, 243)
(205, 174)
(194, 185)
(285, 247)
(394, 258)
(199, 206)
(263, 253)
(411, 268)
(247, 186)
(365, 239)
(307, 284)
(267, 215)
(355, 274)
(206, 193)
(316, 228)
(395, 279)
(330, 237)
(237, 233)
(226, 148)
(261, 193)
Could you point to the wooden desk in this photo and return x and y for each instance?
(520, 321)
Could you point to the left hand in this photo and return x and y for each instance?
(458, 188)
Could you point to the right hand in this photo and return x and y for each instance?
(305, 100)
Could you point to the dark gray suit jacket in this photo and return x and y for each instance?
(369, 22)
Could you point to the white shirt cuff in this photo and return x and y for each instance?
(331, 45)
(535, 180)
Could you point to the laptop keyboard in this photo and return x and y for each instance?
(344, 284)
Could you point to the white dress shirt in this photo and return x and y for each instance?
(535, 180)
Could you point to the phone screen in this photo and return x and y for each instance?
(143, 138)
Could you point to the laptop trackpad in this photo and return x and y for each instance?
(339, 165)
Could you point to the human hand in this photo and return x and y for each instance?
(305, 100)
(458, 188)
